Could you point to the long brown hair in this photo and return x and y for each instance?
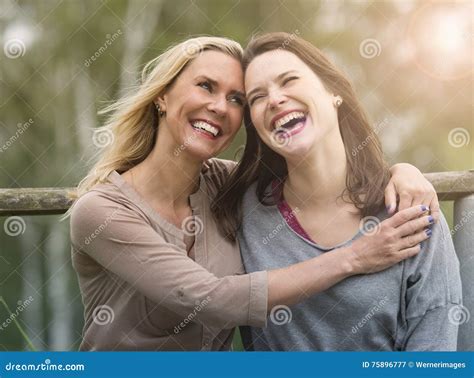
(367, 171)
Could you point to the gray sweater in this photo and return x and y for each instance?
(409, 306)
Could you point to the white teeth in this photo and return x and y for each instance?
(281, 121)
(205, 126)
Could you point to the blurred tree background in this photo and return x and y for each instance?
(410, 61)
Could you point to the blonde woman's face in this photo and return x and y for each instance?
(204, 106)
(290, 107)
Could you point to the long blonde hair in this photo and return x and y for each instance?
(131, 127)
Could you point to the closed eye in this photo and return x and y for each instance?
(255, 98)
(288, 79)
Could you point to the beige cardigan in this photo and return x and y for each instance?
(140, 289)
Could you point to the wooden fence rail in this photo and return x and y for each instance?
(40, 201)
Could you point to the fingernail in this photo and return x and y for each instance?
(428, 232)
(423, 208)
(431, 219)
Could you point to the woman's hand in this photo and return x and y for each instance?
(391, 241)
(412, 188)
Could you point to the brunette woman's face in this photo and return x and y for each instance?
(204, 105)
(290, 108)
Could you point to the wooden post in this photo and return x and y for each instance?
(463, 237)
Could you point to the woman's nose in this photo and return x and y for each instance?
(218, 106)
(276, 98)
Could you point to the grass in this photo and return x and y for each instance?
(23, 333)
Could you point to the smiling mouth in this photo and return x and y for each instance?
(288, 122)
(206, 128)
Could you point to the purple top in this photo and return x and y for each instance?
(287, 212)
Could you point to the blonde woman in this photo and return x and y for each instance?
(154, 272)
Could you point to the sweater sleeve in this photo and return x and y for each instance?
(124, 243)
(432, 295)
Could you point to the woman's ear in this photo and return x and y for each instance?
(160, 103)
(337, 101)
